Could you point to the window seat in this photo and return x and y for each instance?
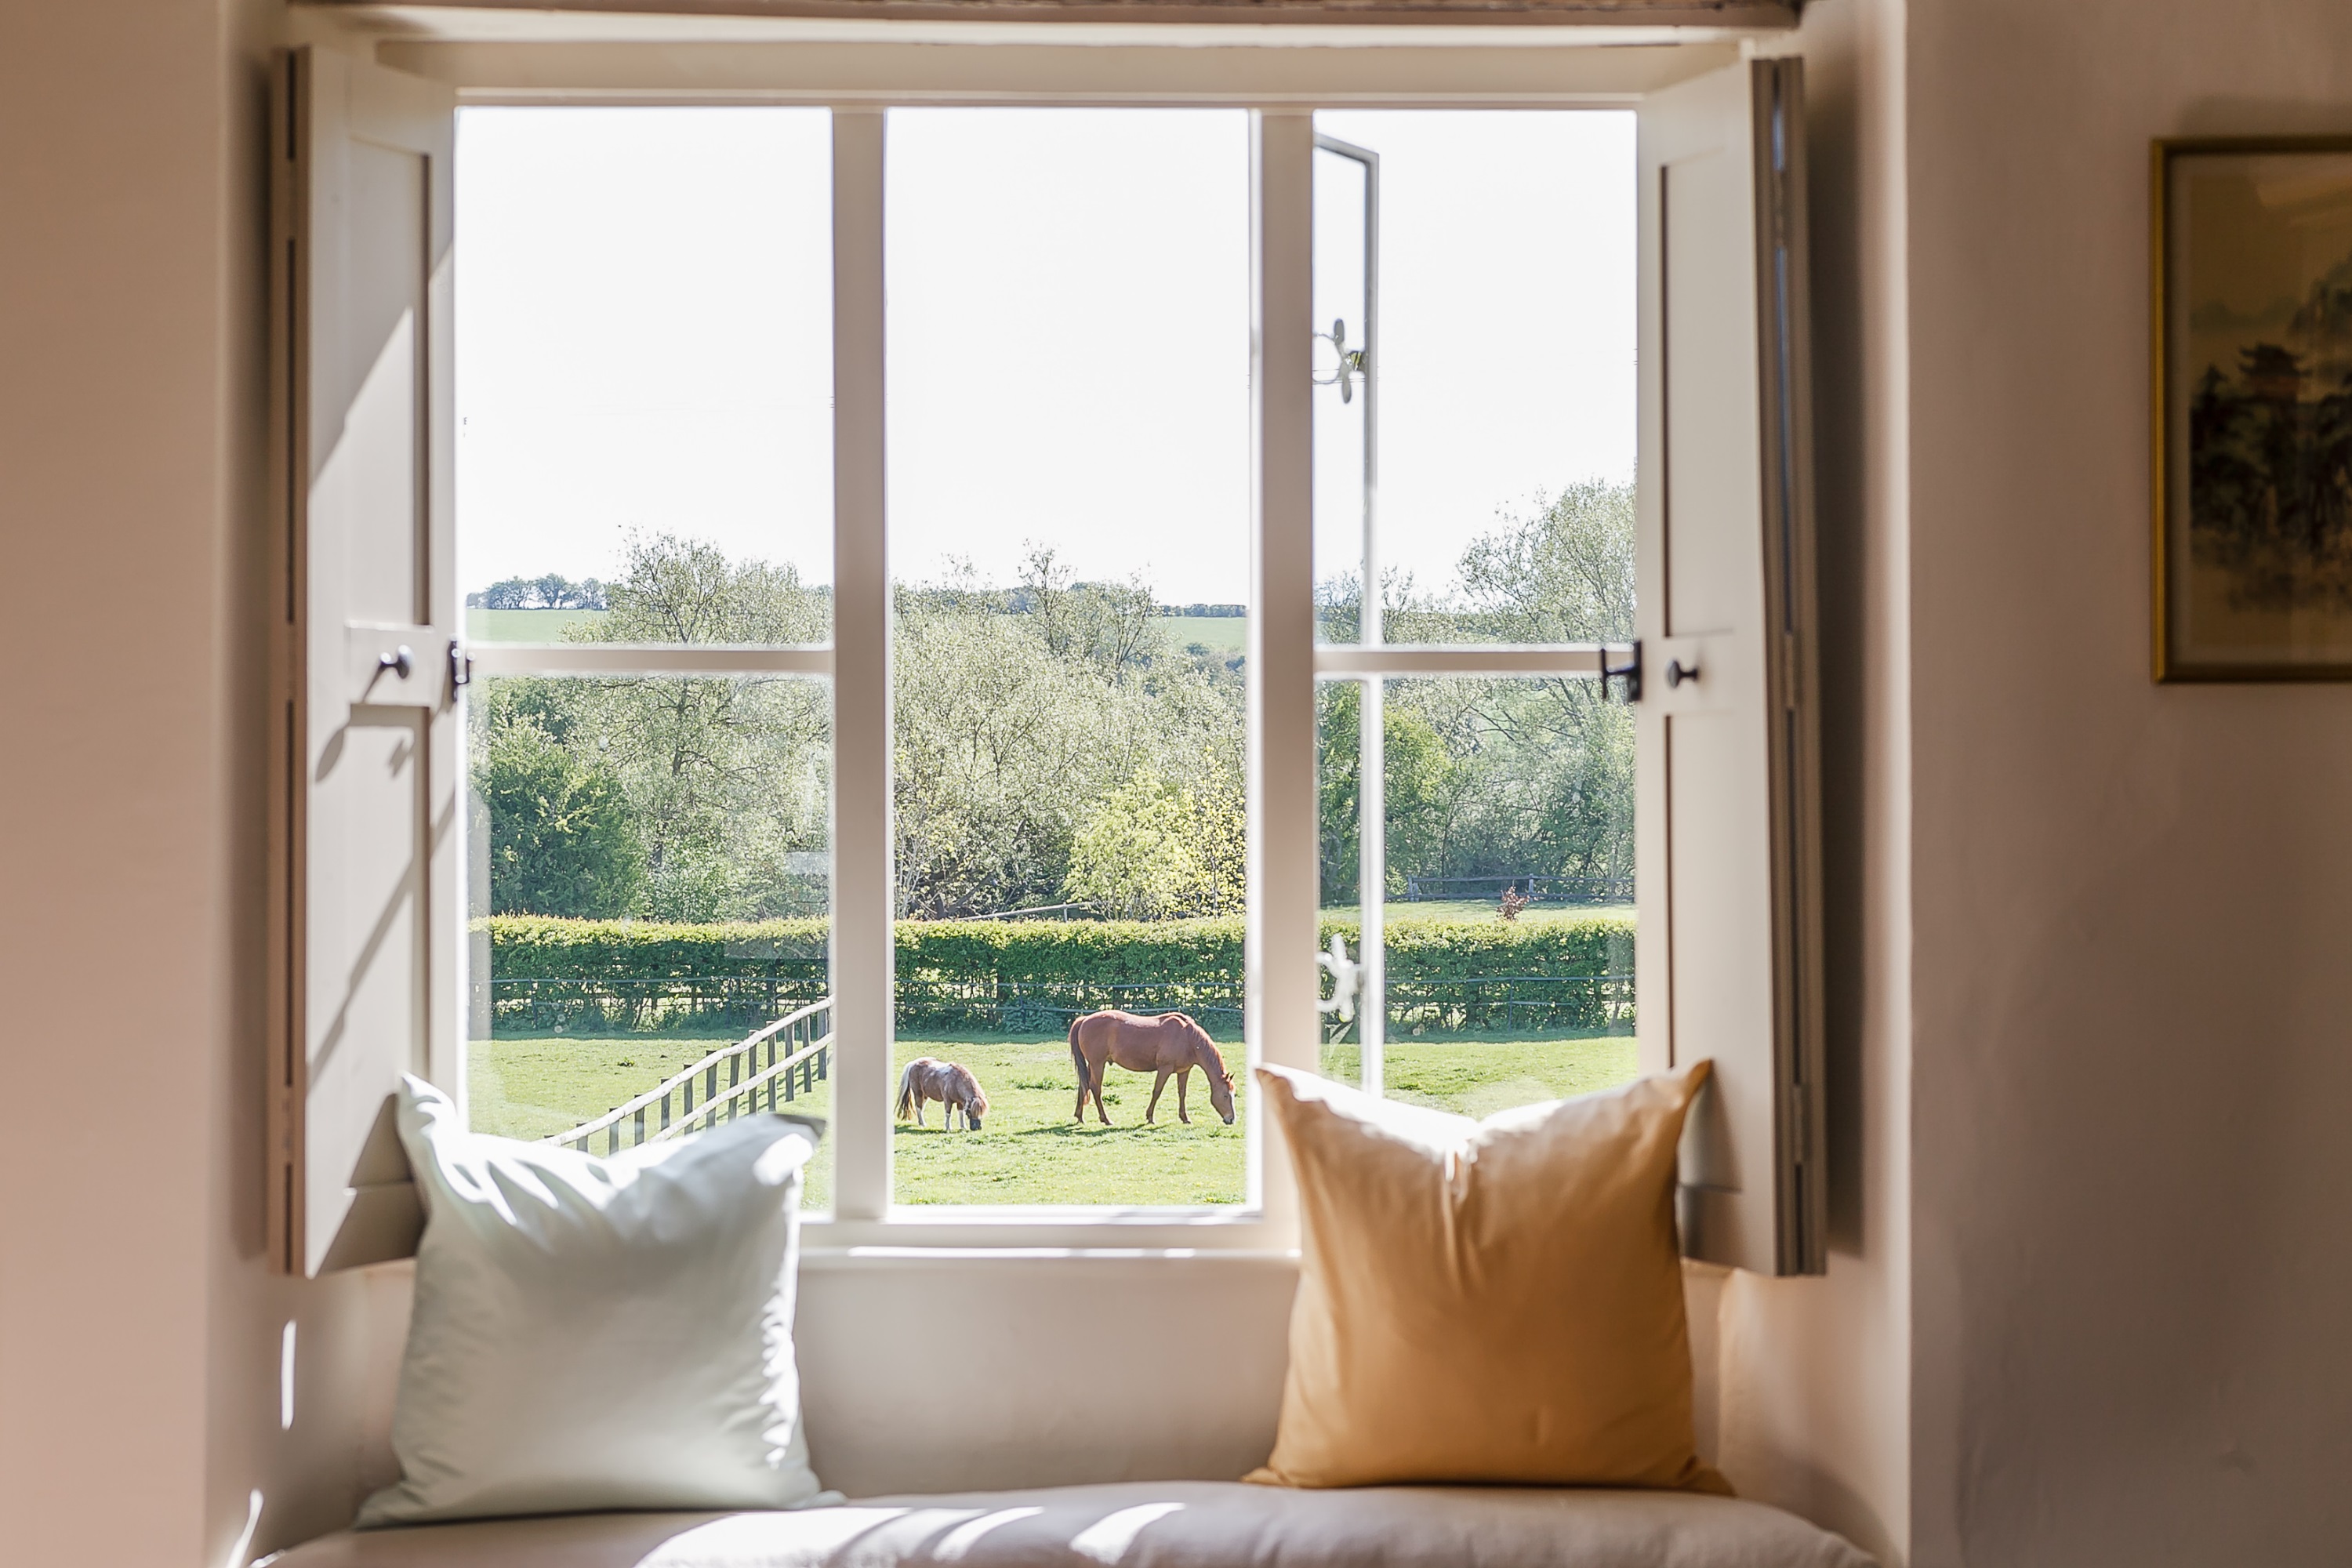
(1166, 1524)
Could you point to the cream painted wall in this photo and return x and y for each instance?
(120, 929)
(140, 1329)
(2094, 920)
(2132, 1053)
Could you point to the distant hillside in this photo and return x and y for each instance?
(525, 625)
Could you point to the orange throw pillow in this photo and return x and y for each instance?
(1495, 1301)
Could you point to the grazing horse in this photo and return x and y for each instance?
(950, 1083)
(1171, 1044)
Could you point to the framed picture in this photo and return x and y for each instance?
(2254, 409)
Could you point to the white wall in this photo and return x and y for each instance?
(2133, 1027)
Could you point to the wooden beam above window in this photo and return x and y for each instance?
(1713, 14)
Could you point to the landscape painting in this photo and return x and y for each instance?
(2253, 516)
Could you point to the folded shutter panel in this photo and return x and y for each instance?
(368, 953)
(1729, 804)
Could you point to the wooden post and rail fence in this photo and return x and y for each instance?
(797, 1054)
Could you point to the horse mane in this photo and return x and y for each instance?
(1216, 1056)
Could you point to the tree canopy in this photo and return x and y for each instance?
(1055, 741)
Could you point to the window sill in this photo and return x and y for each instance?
(855, 1259)
(946, 1232)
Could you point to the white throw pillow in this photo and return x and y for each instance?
(600, 1333)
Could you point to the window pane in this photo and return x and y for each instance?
(650, 888)
(645, 375)
(1507, 903)
(1503, 373)
(1344, 249)
(1338, 810)
(1068, 434)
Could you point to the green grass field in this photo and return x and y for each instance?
(1029, 1148)
(529, 1086)
(1226, 635)
(1479, 1077)
(524, 625)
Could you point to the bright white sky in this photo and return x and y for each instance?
(644, 309)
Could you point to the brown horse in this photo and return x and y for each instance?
(1171, 1044)
(950, 1083)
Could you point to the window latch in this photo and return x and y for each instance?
(1630, 672)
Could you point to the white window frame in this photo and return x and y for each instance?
(1281, 80)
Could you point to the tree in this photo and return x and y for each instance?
(1425, 791)
(674, 590)
(726, 775)
(1109, 625)
(1497, 777)
(1565, 576)
(1047, 746)
(562, 835)
(551, 591)
(1154, 850)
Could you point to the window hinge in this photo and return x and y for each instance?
(461, 666)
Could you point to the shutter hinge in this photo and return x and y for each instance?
(285, 1096)
(461, 666)
(1630, 672)
(282, 661)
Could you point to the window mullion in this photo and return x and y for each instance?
(1283, 883)
(864, 878)
(1372, 879)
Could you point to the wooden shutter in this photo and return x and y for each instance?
(1728, 803)
(367, 934)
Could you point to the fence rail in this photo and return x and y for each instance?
(798, 1058)
(1089, 911)
(1502, 1001)
(1538, 889)
(641, 1003)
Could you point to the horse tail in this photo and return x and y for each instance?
(1077, 1056)
(905, 1091)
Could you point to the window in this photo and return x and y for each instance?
(1474, 455)
(909, 577)
(645, 519)
(1068, 426)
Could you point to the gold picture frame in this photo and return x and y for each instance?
(2252, 339)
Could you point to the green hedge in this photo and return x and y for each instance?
(1026, 974)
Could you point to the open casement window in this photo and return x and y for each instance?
(368, 734)
(1719, 661)
(1728, 803)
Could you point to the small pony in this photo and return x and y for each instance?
(1171, 1044)
(951, 1083)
